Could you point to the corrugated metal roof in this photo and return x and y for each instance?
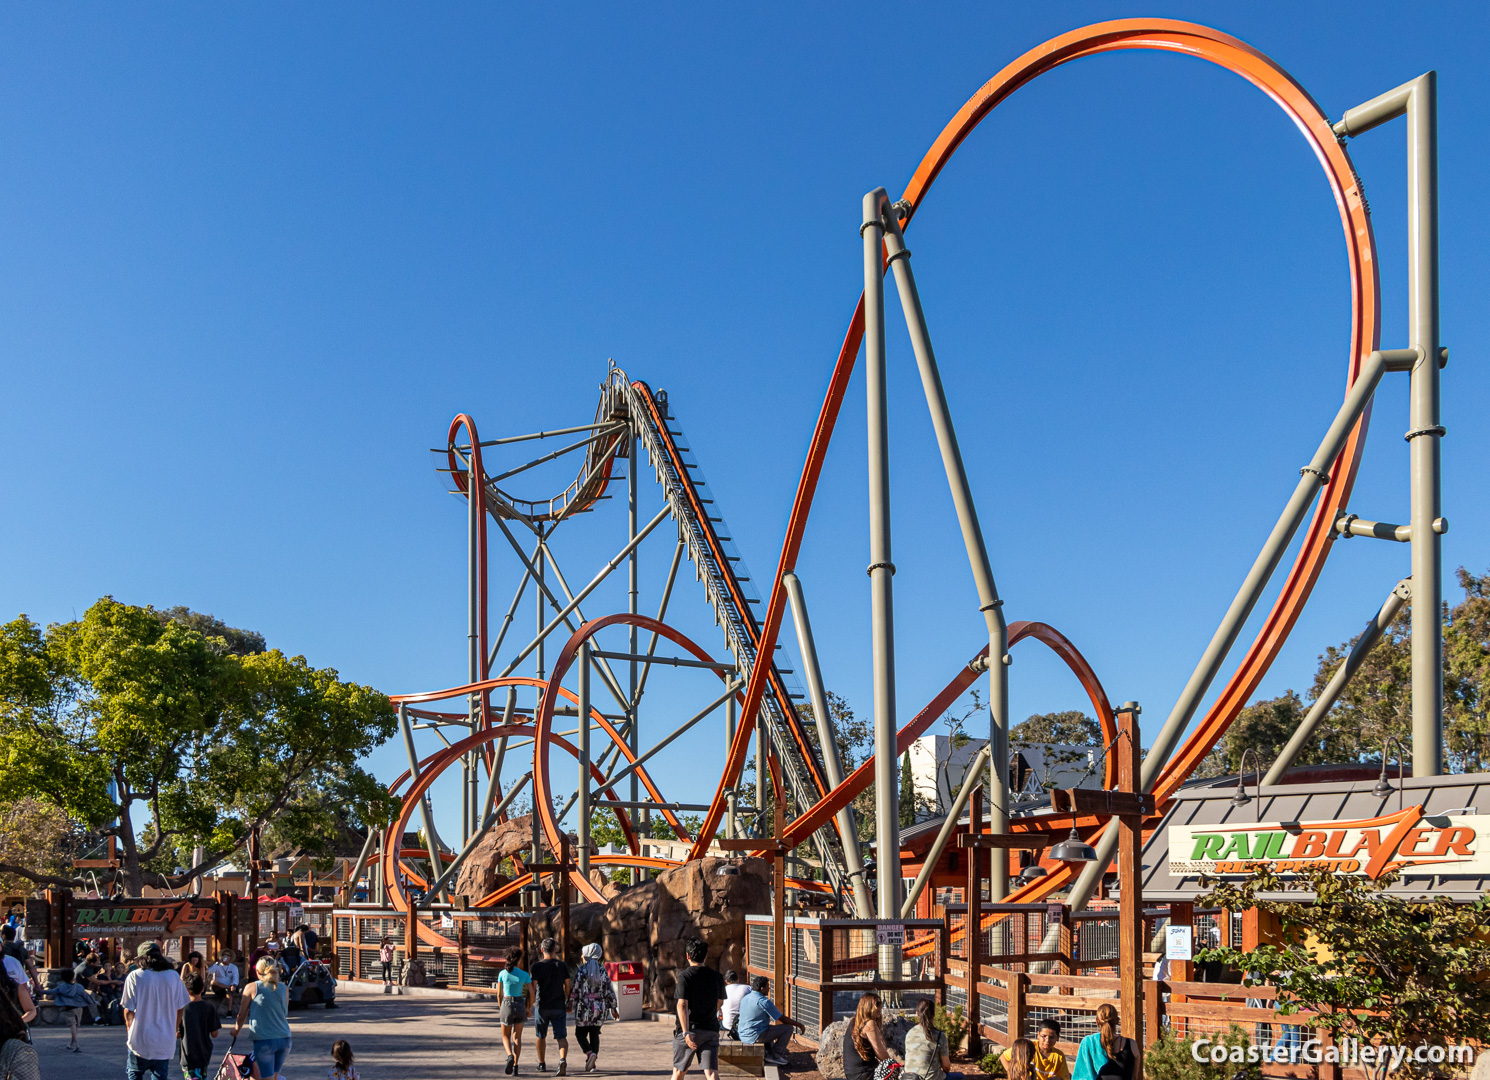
(1317, 802)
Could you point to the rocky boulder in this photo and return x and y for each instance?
(652, 922)
(585, 921)
(483, 870)
(829, 1055)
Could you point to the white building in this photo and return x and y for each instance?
(938, 768)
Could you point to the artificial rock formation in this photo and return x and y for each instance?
(482, 871)
(651, 923)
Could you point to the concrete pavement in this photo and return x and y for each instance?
(394, 1038)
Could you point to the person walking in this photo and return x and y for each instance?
(591, 996)
(385, 958)
(927, 1054)
(512, 1007)
(341, 1062)
(1105, 1053)
(699, 992)
(153, 1000)
(265, 1011)
(72, 999)
(761, 1022)
(199, 1026)
(551, 976)
(864, 1040)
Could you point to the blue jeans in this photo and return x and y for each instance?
(138, 1068)
(269, 1056)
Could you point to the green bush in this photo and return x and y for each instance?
(1171, 1059)
(953, 1024)
(990, 1063)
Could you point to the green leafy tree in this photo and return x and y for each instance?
(137, 725)
(1377, 702)
(1072, 728)
(907, 793)
(1374, 964)
(1169, 1058)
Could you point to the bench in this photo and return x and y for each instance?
(741, 1059)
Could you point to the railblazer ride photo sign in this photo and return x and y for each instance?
(1370, 847)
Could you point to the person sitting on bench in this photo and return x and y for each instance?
(761, 1022)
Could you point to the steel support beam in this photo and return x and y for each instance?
(583, 745)
(881, 573)
(970, 781)
(989, 604)
(848, 832)
(1400, 594)
(1312, 478)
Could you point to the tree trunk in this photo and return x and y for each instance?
(134, 881)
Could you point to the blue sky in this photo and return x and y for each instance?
(253, 259)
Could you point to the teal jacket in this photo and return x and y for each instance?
(1090, 1058)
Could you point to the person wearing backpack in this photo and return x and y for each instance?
(1105, 1055)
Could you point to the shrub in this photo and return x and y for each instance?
(1171, 1059)
(990, 1063)
(953, 1024)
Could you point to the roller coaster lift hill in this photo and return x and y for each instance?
(500, 726)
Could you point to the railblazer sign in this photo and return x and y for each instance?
(118, 918)
(1370, 847)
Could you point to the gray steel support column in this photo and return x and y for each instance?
(881, 572)
(970, 780)
(633, 598)
(1400, 594)
(431, 837)
(1425, 432)
(989, 604)
(1418, 101)
(848, 830)
(487, 821)
(1312, 478)
(582, 742)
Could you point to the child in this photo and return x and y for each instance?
(198, 1027)
(72, 999)
(341, 1062)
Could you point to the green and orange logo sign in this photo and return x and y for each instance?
(1370, 847)
(105, 918)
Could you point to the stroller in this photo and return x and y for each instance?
(235, 1066)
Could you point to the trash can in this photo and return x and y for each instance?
(627, 978)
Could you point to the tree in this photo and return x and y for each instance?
(1069, 728)
(907, 793)
(138, 726)
(1377, 702)
(1375, 965)
(37, 837)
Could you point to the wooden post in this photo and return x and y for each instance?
(561, 889)
(1017, 1005)
(972, 934)
(778, 922)
(1067, 944)
(824, 977)
(1130, 912)
(411, 936)
(460, 950)
(944, 952)
(1182, 913)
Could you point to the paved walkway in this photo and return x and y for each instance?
(394, 1038)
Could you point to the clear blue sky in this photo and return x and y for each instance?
(253, 259)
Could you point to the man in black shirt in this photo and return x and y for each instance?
(700, 991)
(551, 976)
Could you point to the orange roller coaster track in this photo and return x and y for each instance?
(632, 421)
